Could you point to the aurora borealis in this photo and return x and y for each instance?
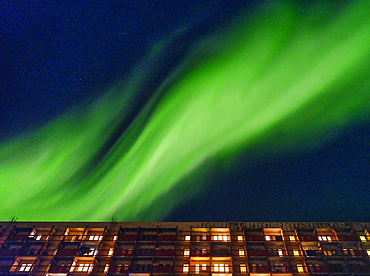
(279, 78)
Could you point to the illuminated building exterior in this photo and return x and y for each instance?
(164, 248)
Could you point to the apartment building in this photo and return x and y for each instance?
(184, 248)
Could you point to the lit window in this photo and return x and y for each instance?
(38, 237)
(221, 268)
(295, 252)
(185, 268)
(95, 238)
(25, 267)
(240, 238)
(115, 238)
(324, 238)
(224, 238)
(186, 253)
(241, 252)
(243, 268)
(84, 268)
(204, 237)
(106, 268)
(197, 268)
(187, 238)
(110, 253)
(300, 268)
(363, 238)
(280, 252)
(32, 234)
(291, 238)
(368, 252)
(204, 267)
(268, 238)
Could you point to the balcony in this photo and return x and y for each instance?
(253, 238)
(164, 252)
(66, 252)
(313, 253)
(127, 237)
(200, 253)
(259, 269)
(162, 269)
(60, 269)
(308, 238)
(256, 252)
(347, 238)
(10, 252)
(122, 252)
(318, 268)
(166, 238)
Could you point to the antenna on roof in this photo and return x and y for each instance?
(14, 219)
(114, 219)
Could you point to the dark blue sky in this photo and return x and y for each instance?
(56, 54)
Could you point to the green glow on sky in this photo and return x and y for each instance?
(281, 75)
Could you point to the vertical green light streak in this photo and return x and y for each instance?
(278, 72)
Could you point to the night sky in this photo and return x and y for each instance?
(184, 110)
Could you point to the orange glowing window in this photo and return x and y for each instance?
(185, 268)
(243, 268)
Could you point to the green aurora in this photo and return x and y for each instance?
(282, 77)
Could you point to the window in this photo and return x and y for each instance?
(106, 268)
(300, 268)
(110, 253)
(241, 252)
(221, 268)
(95, 238)
(240, 238)
(295, 252)
(368, 252)
(363, 238)
(34, 236)
(185, 268)
(280, 252)
(268, 238)
(243, 268)
(291, 238)
(84, 268)
(204, 237)
(197, 268)
(25, 267)
(220, 238)
(186, 253)
(324, 238)
(204, 267)
(115, 238)
(187, 238)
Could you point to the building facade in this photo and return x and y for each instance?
(164, 248)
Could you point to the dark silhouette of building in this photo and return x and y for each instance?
(183, 248)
